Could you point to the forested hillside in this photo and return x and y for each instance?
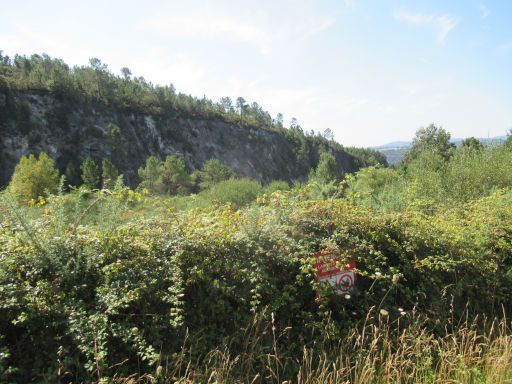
(80, 112)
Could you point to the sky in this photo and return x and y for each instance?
(373, 71)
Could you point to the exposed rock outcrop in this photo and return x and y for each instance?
(38, 121)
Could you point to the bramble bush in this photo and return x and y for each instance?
(84, 300)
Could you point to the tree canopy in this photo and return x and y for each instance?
(432, 139)
(34, 176)
(212, 172)
(90, 173)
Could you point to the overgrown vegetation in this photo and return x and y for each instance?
(114, 285)
(207, 277)
(435, 176)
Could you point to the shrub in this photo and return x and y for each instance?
(277, 185)
(379, 188)
(34, 177)
(237, 191)
(73, 306)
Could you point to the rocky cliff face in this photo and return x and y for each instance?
(38, 121)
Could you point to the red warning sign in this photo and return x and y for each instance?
(329, 271)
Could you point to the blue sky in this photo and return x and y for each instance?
(373, 71)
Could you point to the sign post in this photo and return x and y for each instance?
(328, 272)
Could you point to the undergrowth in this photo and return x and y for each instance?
(94, 289)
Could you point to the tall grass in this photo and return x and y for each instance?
(377, 351)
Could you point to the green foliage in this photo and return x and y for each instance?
(167, 177)
(236, 191)
(472, 142)
(430, 139)
(367, 157)
(475, 172)
(430, 182)
(150, 175)
(109, 174)
(34, 177)
(379, 188)
(277, 185)
(115, 139)
(425, 185)
(212, 172)
(90, 173)
(327, 169)
(508, 141)
(77, 298)
(174, 176)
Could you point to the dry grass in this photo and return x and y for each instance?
(379, 351)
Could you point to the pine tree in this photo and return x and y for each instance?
(109, 174)
(175, 178)
(90, 173)
(214, 171)
(150, 175)
(326, 171)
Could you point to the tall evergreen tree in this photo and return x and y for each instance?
(212, 172)
(109, 174)
(150, 175)
(326, 171)
(90, 173)
(175, 178)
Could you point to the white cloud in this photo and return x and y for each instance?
(442, 23)
(445, 24)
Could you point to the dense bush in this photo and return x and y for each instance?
(34, 177)
(87, 302)
(430, 182)
(238, 192)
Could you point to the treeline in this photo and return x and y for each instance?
(96, 84)
(97, 87)
(36, 176)
(435, 174)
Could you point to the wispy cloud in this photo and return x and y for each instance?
(260, 30)
(504, 48)
(350, 3)
(199, 26)
(484, 11)
(24, 39)
(442, 23)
